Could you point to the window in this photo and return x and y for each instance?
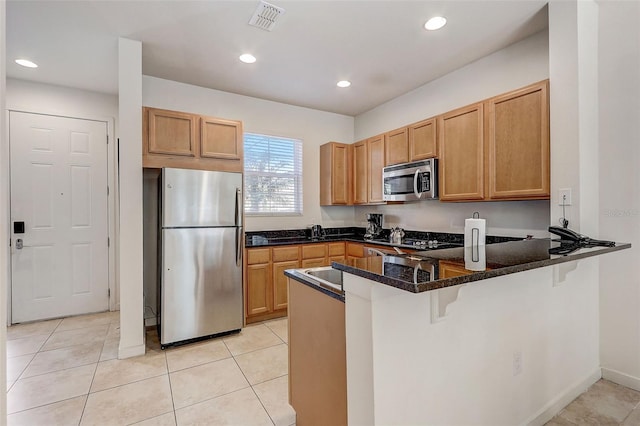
(272, 175)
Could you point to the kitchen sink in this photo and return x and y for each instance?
(326, 277)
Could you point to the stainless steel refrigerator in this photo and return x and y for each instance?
(200, 254)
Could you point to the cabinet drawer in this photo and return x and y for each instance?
(281, 254)
(311, 251)
(336, 249)
(255, 256)
(313, 263)
(355, 250)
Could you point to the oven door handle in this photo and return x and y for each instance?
(415, 184)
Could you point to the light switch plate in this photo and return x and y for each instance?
(564, 197)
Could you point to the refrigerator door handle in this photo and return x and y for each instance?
(238, 246)
(238, 207)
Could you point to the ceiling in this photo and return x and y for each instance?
(380, 46)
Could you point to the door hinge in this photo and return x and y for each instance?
(108, 292)
(107, 139)
(108, 242)
(107, 190)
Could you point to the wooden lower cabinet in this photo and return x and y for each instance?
(259, 291)
(280, 297)
(265, 283)
(354, 250)
(317, 357)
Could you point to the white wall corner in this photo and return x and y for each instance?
(562, 400)
(621, 378)
(129, 236)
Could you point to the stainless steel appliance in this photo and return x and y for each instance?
(317, 232)
(200, 255)
(411, 181)
(374, 226)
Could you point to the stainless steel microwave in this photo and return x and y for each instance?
(411, 181)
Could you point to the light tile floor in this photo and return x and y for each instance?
(605, 403)
(66, 372)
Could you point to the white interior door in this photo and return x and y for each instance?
(59, 191)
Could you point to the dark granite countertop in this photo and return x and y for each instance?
(356, 234)
(306, 280)
(424, 271)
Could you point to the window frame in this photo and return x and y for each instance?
(296, 176)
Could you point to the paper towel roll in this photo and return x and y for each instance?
(475, 258)
(475, 230)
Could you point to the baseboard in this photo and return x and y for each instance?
(562, 400)
(621, 378)
(131, 351)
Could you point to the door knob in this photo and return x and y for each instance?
(19, 244)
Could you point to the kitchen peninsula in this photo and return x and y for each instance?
(508, 345)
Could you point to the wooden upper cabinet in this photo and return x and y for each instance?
(190, 141)
(461, 140)
(396, 146)
(518, 144)
(220, 139)
(423, 142)
(375, 163)
(334, 174)
(360, 177)
(170, 133)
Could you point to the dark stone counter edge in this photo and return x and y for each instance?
(292, 273)
(476, 276)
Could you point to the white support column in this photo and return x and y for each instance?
(4, 217)
(573, 65)
(130, 206)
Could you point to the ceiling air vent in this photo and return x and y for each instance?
(266, 16)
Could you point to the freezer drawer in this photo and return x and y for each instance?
(201, 198)
(201, 283)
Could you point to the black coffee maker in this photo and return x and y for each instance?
(374, 226)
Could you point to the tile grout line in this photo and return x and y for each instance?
(173, 403)
(86, 400)
(252, 389)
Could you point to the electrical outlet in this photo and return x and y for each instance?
(517, 363)
(564, 197)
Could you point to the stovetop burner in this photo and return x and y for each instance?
(430, 244)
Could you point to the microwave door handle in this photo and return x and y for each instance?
(415, 183)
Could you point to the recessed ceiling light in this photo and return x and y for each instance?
(435, 23)
(26, 63)
(247, 58)
(344, 83)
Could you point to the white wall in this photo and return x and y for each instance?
(515, 66)
(45, 98)
(259, 116)
(619, 212)
(459, 370)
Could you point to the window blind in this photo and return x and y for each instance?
(272, 175)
